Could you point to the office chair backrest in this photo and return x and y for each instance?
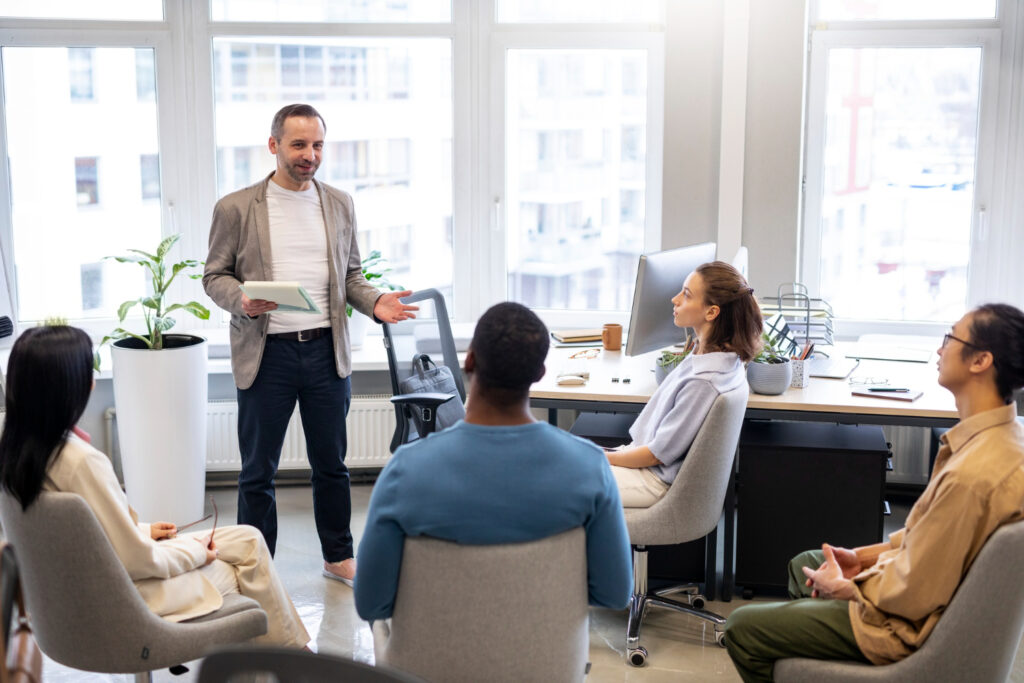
(976, 638)
(507, 612)
(8, 589)
(693, 504)
(72, 578)
(400, 366)
(86, 612)
(286, 665)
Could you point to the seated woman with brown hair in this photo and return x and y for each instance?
(49, 380)
(719, 305)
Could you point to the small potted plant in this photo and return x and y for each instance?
(770, 372)
(375, 269)
(160, 390)
(669, 359)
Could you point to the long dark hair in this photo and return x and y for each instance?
(49, 379)
(738, 325)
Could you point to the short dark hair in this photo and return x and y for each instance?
(304, 110)
(739, 324)
(49, 379)
(509, 344)
(999, 329)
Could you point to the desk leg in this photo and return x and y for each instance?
(728, 571)
(553, 417)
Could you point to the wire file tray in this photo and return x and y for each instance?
(808, 317)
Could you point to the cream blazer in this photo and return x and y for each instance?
(163, 572)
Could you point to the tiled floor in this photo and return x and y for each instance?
(681, 648)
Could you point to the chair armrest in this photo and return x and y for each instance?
(424, 400)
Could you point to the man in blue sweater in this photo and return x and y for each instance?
(499, 476)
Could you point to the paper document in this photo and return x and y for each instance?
(289, 296)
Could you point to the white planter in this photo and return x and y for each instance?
(769, 378)
(160, 398)
(358, 324)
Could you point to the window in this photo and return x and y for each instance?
(347, 11)
(145, 75)
(896, 160)
(563, 106)
(86, 182)
(386, 137)
(120, 10)
(149, 171)
(446, 158)
(80, 72)
(82, 161)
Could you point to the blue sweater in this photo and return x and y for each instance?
(483, 485)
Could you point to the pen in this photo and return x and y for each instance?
(889, 389)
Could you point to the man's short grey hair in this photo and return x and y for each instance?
(303, 110)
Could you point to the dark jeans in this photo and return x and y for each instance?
(305, 371)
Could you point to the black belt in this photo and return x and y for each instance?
(302, 335)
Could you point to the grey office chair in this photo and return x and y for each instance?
(689, 510)
(509, 612)
(293, 666)
(87, 613)
(975, 640)
(406, 429)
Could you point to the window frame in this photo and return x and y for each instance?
(984, 34)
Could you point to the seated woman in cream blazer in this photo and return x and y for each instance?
(49, 379)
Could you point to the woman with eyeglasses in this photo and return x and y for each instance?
(49, 379)
(719, 305)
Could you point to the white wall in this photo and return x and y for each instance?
(773, 141)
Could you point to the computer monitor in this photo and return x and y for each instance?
(659, 277)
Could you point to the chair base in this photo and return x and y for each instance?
(641, 598)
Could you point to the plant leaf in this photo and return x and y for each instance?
(166, 244)
(151, 302)
(148, 256)
(163, 324)
(128, 259)
(123, 309)
(193, 307)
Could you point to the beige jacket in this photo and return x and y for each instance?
(240, 251)
(163, 572)
(977, 486)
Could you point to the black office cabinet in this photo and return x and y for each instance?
(800, 485)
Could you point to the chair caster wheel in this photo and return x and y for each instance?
(720, 638)
(637, 657)
(697, 601)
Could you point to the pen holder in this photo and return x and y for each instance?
(801, 373)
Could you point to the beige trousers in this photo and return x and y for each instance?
(244, 565)
(639, 487)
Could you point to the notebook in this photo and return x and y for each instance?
(289, 296)
(907, 396)
(571, 336)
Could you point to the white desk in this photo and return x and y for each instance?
(822, 400)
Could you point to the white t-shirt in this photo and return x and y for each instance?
(298, 244)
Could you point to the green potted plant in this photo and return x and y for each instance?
(160, 391)
(375, 270)
(770, 372)
(670, 358)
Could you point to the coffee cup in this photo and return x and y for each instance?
(611, 337)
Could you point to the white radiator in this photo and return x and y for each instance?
(371, 423)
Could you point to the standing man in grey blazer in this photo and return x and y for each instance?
(290, 227)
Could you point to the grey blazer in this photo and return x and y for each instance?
(240, 251)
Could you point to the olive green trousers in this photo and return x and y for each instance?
(759, 634)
